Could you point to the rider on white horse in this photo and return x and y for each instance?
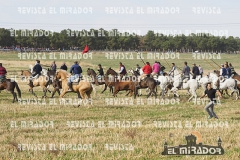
(186, 73)
(171, 72)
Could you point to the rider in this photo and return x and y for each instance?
(122, 70)
(147, 70)
(76, 70)
(37, 69)
(186, 73)
(156, 68)
(2, 72)
(54, 66)
(195, 71)
(63, 66)
(232, 68)
(138, 68)
(228, 71)
(200, 70)
(100, 73)
(173, 69)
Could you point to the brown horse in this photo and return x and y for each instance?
(10, 85)
(93, 74)
(42, 81)
(120, 85)
(83, 87)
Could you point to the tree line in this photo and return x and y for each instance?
(104, 40)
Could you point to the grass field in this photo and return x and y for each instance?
(104, 130)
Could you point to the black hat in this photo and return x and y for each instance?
(38, 61)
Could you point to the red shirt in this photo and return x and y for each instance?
(147, 69)
(2, 71)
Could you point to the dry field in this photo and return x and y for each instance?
(40, 129)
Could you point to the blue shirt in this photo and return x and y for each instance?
(224, 72)
(229, 73)
(76, 69)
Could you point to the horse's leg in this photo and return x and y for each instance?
(131, 93)
(192, 94)
(44, 91)
(105, 87)
(128, 93)
(31, 90)
(54, 91)
(14, 95)
(227, 93)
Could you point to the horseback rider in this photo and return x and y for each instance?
(228, 71)
(195, 71)
(186, 73)
(76, 70)
(200, 70)
(37, 69)
(138, 68)
(122, 70)
(3, 72)
(155, 68)
(53, 66)
(147, 70)
(232, 69)
(100, 73)
(63, 66)
(173, 69)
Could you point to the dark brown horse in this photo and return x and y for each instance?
(93, 74)
(10, 85)
(149, 83)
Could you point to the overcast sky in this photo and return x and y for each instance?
(220, 17)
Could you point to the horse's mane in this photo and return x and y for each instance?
(112, 70)
(91, 70)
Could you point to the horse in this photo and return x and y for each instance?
(165, 83)
(42, 81)
(82, 87)
(119, 85)
(92, 73)
(10, 85)
(228, 83)
(191, 85)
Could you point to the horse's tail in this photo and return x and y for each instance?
(18, 89)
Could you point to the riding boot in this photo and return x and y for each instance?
(70, 86)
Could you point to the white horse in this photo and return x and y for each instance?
(191, 85)
(224, 85)
(164, 82)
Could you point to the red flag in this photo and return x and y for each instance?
(86, 49)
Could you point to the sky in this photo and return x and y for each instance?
(218, 17)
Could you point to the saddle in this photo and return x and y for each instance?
(77, 80)
(2, 79)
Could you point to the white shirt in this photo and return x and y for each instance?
(121, 69)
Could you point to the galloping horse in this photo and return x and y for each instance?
(227, 84)
(191, 85)
(93, 74)
(81, 87)
(149, 83)
(42, 81)
(10, 85)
